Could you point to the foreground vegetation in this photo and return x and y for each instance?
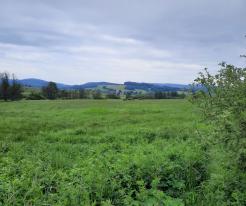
(85, 152)
(113, 152)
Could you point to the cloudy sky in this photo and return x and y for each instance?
(78, 41)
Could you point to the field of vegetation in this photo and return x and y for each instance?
(139, 152)
(101, 152)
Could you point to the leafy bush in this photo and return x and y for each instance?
(35, 96)
(112, 96)
(223, 103)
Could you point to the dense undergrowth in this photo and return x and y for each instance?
(111, 152)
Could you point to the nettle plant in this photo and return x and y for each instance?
(222, 100)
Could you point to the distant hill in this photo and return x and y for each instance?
(154, 86)
(91, 85)
(38, 83)
(181, 86)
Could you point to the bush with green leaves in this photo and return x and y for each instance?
(35, 96)
(222, 101)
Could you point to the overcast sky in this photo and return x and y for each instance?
(77, 41)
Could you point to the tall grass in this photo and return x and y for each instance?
(105, 152)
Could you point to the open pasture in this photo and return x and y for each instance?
(100, 152)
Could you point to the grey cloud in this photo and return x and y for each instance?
(83, 36)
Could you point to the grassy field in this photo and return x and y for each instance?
(101, 152)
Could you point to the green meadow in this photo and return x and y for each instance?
(102, 152)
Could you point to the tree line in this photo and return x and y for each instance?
(10, 89)
(51, 91)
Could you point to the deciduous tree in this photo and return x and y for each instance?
(50, 91)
